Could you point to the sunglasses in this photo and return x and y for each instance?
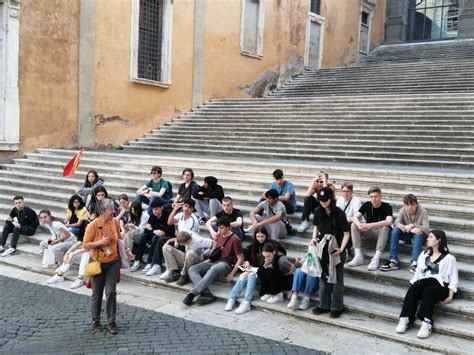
(153, 172)
(319, 181)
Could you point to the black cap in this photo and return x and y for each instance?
(157, 202)
(325, 194)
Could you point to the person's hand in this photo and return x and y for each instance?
(148, 226)
(214, 235)
(313, 242)
(159, 233)
(336, 251)
(16, 225)
(255, 225)
(416, 230)
(298, 262)
(408, 228)
(55, 241)
(246, 264)
(9, 218)
(364, 227)
(106, 241)
(229, 277)
(449, 299)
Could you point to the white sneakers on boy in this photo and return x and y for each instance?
(303, 226)
(146, 268)
(356, 261)
(153, 270)
(230, 305)
(167, 274)
(135, 266)
(8, 252)
(374, 264)
(243, 307)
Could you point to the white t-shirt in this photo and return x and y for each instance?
(189, 225)
(353, 207)
(55, 230)
(446, 271)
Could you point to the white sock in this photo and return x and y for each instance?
(377, 254)
(306, 297)
(358, 252)
(294, 296)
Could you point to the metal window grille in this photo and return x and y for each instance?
(150, 37)
(316, 6)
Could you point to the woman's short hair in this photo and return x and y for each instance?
(105, 204)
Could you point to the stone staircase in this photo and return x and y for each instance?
(38, 178)
(413, 140)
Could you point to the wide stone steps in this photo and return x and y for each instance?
(382, 325)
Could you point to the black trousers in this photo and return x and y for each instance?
(16, 232)
(106, 279)
(273, 282)
(309, 205)
(429, 292)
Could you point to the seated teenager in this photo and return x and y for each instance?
(270, 213)
(177, 261)
(248, 279)
(224, 261)
(76, 214)
(61, 238)
(234, 215)
(157, 228)
(286, 191)
(155, 188)
(302, 282)
(275, 275)
(208, 198)
(135, 228)
(435, 281)
(92, 181)
(187, 189)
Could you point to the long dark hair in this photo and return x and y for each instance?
(87, 183)
(270, 248)
(136, 211)
(443, 242)
(93, 201)
(256, 257)
(73, 198)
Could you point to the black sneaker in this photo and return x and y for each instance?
(183, 280)
(206, 298)
(188, 300)
(389, 266)
(318, 310)
(335, 314)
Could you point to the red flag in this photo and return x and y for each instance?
(72, 165)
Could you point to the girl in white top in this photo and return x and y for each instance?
(435, 280)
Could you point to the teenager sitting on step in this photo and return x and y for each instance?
(208, 198)
(187, 189)
(248, 279)
(176, 259)
(22, 220)
(60, 239)
(224, 261)
(286, 191)
(154, 188)
(92, 181)
(412, 226)
(302, 282)
(378, 217)
(234, 215)
(270, 213)
(310, 199)
(435, 280)
(157, 228)
(133, 230)
(76, 214)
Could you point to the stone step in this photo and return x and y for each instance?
(350, 92)
(445, 324)
(378, 327)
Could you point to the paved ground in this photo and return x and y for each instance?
(40, 319)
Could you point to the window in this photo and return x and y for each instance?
(316, 7)
(151, 42)
(433, 19)
(251, 33)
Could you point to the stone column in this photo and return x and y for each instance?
(466, 19)
(198, 51)
(396, 21)
(86, 124)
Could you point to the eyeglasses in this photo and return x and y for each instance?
(153, 172)
(319, 181)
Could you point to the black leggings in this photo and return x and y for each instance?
(429, 292)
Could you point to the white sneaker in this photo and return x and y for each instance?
(293, 304)
(146, 268)
(8, 252)
(402, 325)
(155, 269)
(77, 283)
(265, 298)
(276, 298)
(357, 261)
(243, 307)
(304, 303)
(374, 264)
(135, 266)
(166, 274)
(303, 226)
(230, 305)
(425, 329)
(55, 279)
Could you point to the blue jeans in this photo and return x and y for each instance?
(75, 230)
(250, 282)
(304, 282)
(418, 241)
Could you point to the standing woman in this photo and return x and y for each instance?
(435, 280)
(86, 190)
(101, 239)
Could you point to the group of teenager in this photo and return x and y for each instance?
(166, 227)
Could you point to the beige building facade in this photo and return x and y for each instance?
(96, 73)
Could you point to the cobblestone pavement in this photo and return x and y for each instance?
(40, 319)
